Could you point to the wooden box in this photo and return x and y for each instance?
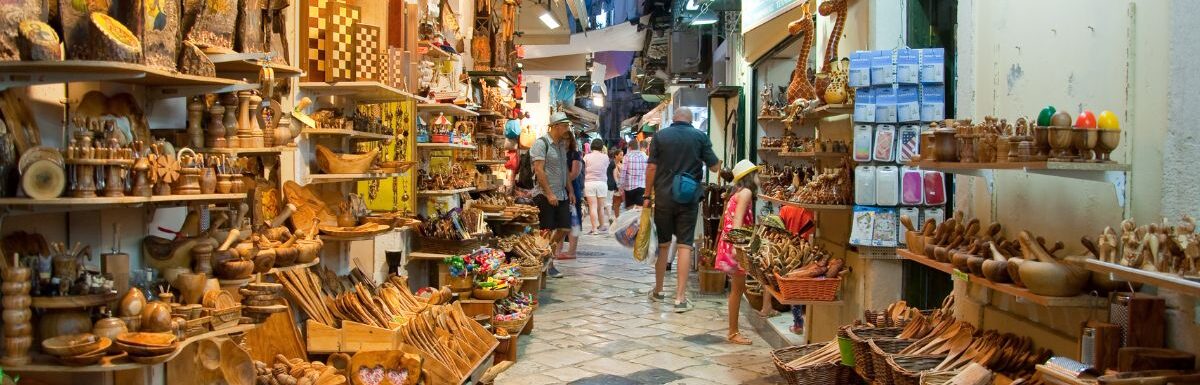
(352, 337)
(474, 307)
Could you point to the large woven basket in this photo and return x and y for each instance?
(808, 289)
(531, 271)
(826, 373)
(859, 336)
(445, 246)
(512, 326)
(879, 318)
(937, 378)
(880, 350)
(907, 370)
(486, 294)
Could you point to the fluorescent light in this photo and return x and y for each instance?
(548, 19)
(691, 5)
(705, 18)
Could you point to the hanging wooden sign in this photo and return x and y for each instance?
(339, 42)
(366, 52)
(250, 26)
(215, 24)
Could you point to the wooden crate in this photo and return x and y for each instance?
(352, 337)
(474, 307)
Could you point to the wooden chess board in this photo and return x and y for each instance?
(339, 41)
(367, 60)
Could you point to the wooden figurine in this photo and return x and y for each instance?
(827, 8)
(110, 40)
(38, 41)
(215, 24)
(250, 28)
(193, 61)
(18, 332)
(800, 87)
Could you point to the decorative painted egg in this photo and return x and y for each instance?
(1045, 116)
(1060, 119)
(1086, 119)
(1108, 121)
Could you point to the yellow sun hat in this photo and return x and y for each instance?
(743, 168)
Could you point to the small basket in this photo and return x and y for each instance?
(513, 326)
(531, 271)
(491, 295)
(937, 378)
(808, 289)
(907, 370)
(879, 318)
(880, 350)
(826, 373)
(445, 246)
(862, 351)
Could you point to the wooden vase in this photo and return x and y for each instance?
(208, 180)
(224, 184)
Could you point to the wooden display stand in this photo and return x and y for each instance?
(352, 337)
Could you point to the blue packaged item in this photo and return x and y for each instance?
(907, 66)
(885, 104)
(864, 105)
(860, 69)
(883, 70)
(933, 102)
(908, 108)
(933, 65)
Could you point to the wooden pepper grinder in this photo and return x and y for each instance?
(18, 336)
(216, 128)
(244, 134)
(85, 177)
(196, 121)
(230, 102)
(257, 136)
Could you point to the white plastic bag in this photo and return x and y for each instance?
(625, 229)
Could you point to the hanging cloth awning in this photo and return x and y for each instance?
(622, 37)
(771, 30)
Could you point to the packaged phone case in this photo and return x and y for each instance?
(887, 186)
(938, 215)
(864, 185)
(911, 191)
(885, 104)
(883, 69)
(864, 105)
(935, 188)
(860, 69)
(914, 214)
(886, 225)
(885, 143)
(908, 142)
(862, 142)
(862, 227)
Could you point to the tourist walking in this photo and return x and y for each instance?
(595, 187)
(614, 172)
(632, 178)
(739, 212)
(674, 171)
(575, 193)
(549, 155)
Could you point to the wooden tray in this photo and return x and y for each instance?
(404, 358)
(365, 230)
(309, 207)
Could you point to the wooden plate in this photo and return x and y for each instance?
(309, 207)
(153, 340)
(357, 231)
(75, 344)
(44, 180)
(151, 360)
(146, 351)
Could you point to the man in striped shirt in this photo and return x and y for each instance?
(633, 175)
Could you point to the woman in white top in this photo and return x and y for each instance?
(595, 186)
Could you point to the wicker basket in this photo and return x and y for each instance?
(879, 318)
(907, 370)
(492, 295)
(937, 378)
(808, 289)
(488, 208)
(461, 284)
(862, 351)
(531, 271)
(513, 326)
(880, 350)
(445, 246)
(826, 373)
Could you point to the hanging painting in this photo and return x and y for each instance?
(366, 52)
(339, 42)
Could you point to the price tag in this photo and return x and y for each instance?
(960, 276)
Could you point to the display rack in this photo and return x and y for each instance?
(445, 192)
(247, 151)
(340, 178)
(1164, 281)
(107, 202)
(250, 63)
(298, 266)
(367, 92)
(350, 134)
(814, 154)
(1020, 293)
(47, 367)
(159, 83)
(446, 108)
(444, 146)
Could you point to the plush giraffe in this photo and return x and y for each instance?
(800, 87)
(830, 7)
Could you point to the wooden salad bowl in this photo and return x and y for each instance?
(75, 344)
(333, 163)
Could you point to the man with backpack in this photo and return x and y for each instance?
(549, 165)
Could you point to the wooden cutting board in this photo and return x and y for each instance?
(276, 335)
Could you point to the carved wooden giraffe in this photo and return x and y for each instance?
(800, 87)
(831, 47)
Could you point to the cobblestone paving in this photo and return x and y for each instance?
(595, 326)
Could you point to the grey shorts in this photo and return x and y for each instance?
(672, 219)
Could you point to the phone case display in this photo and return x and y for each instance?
(864, 185)
(913, 214)
(912, 192)
(862, 143)
(874, 226)
(935, 188)
(887, 186)
(862, 226)
(885, 143)
(938, 215)
(908, 140)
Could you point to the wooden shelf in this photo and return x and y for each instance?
(247, 151)
(353, 134)
(771, 149)
(498, 75)
(805, 205)
(363, 92)
(779, 298)
(769, 118)
(341, 178)
(814, 154)
(958, 167)
(129, 365)
(160, 83)
(1022, 294)
(483, 112)
(248, 64)
(417, 255)
(72, 301)
(444, 146)
(102, 202)
(1161, 280)
(434, 51)
(445, 108)
(299, 266)
(445, 192)
(367, 237)
(490, 161)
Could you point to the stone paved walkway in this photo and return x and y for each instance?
(595, 326)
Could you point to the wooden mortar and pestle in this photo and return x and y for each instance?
(995, 269)
(287, 253)
(309, 246)
(911, 236)
(275, 230)
(231, 267)
(1104, 282)
(1043, 274)
(264, 254)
